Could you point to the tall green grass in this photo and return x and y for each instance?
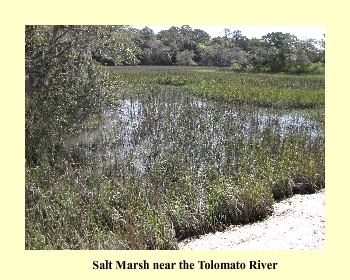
(179, 153)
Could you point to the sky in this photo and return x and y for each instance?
(250, 31)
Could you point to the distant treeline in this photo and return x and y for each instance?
(273, 52)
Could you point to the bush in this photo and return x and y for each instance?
(318, 68)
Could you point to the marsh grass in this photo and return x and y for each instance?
(178, 153)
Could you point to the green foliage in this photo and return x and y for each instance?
(276, 91)
(63, 84)
(317, 68)
(185, 58)
(274, 52)
(177, 152)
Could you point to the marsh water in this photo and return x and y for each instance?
(172, 132)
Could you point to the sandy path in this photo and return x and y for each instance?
(298, 223)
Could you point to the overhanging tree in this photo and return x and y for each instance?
(63, 84)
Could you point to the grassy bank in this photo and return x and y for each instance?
(179, 152)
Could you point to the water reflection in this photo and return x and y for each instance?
(141, 132)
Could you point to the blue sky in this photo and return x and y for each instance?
(250, 31)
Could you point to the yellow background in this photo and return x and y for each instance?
(17, 263)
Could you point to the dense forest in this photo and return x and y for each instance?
(273, 52)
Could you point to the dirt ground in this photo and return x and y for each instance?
(298, 223)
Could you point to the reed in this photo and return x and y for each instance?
(180, 152)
